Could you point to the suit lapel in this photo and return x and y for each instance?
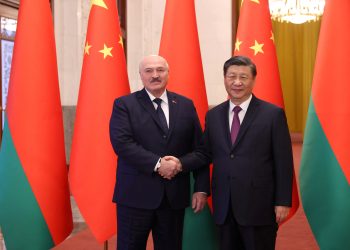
(173, 111)
(248, 118)
(225, 126)
(146, 102)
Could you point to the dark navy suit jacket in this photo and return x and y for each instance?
(138, 140)
(256, 172)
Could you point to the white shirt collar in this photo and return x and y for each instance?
(164, 96)
(244, 105)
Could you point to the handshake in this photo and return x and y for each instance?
(169, 167)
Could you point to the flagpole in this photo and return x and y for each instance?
(105, 245)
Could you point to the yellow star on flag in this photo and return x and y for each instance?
(121, 41)
(255, 1)
(99, 3)
(87, 48)
(106, 51)
(237, 44)
(257, 48)
(272, 37)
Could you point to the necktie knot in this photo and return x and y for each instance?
(236, 110)
(158, 101)
(161, 115)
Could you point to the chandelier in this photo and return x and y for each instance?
(296, 11)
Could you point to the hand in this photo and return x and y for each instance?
(199, 200)
(281, 213)
(178, 168)
(169, 167)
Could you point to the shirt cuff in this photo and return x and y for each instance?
(202, 193)
(157, 165)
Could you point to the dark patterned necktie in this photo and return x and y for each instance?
(235, 124)
(161, 115)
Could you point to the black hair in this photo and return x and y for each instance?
(240, 61)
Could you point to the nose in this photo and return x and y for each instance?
(237, 82)
(155, 74)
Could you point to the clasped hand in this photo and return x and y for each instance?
(169, 167)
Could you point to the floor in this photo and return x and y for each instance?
(294, 235)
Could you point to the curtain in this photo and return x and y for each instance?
(296, 46)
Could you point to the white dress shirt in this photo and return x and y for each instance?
(165, 106)
(244, 106)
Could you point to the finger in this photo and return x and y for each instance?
(169, 157)
(203, 204)
(198, 206)
(278, 218)
(166, 158)
(284, 216)
(194, 202)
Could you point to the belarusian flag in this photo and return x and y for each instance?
(180, 47)
(35, 210)
(325, 166)
(93, 161)
(255, 39)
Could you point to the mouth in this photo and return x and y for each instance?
(155, 80)
(236, 90)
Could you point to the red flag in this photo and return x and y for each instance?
(255, 39)
(325, 164)
(180, 47)
(35, 210)
(93, 161)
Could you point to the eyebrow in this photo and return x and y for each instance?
(160, 67)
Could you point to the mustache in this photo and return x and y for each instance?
(155, 80)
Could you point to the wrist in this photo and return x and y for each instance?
(179, 166)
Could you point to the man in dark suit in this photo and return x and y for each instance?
(248, 141)
(152, 192)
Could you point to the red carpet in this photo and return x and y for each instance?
(294, 235)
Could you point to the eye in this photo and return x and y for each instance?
(231, 77)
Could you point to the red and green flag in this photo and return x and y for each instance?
(255, 39)
(93, 162)
(180, 47)
(325, 165)
(35, 210)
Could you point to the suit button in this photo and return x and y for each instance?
(164, 136)
(232, 156)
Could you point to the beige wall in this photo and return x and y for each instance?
(70, 21)
(144, 24)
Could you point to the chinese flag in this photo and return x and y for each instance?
(180, 47)
(93, 161)
(35, 210)
(255, 39)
